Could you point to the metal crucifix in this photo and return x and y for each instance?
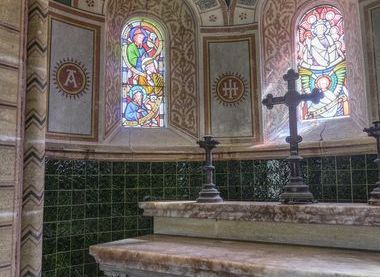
(296, 191)
(209, 193)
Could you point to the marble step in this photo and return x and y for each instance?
(323, 224)
(162, 255)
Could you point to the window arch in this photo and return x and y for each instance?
(143, 69)
(321, 60)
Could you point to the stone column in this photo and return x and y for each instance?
(34, 140)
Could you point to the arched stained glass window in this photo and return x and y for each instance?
(142, 45)
(322, 61)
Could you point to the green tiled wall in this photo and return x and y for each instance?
(89, 202)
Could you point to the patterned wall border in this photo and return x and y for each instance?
(254, 76)
(34, 139)
(95, 78)
(374, 87)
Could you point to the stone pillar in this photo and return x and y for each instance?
(34, 140)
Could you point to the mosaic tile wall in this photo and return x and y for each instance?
(89, 202)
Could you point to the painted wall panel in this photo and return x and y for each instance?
(71, 79)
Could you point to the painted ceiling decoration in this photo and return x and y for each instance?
(212, 13)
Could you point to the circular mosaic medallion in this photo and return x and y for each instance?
(230, 89)
(71, 78)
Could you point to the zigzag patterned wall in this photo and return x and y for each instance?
(34, 144)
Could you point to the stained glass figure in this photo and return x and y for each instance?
(142, 45)
(321, 57)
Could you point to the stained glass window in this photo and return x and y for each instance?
(322, 61)
(142, 46)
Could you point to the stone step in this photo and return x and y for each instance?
(162, 255)
(324, 224)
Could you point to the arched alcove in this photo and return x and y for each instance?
(278, 32)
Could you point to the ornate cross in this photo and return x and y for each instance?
(209, 193)
(296, 191)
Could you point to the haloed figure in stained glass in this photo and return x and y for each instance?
(322, 61)
(142, 74)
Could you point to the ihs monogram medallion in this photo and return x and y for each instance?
(230, 89)
(71, 78)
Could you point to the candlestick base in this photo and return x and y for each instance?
(375, 196)
(209, 194)
(296, 193)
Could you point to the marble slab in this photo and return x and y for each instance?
(321, 213)
(160, 255)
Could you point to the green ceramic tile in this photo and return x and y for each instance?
(372, 176)
(358, 162)
(91, 210)
(63, 229)
(90, 239)
(92, 168)
(105, 168)
(78, 182)
(131, 195)
(105, 182)
(49, 246)
(314, 164)
(131, 181)
(329, 163)
(64, 198)
(344, 177)
(359, 177)
(119, 235)
(63, 244)
(77, 271)
(329, 193)
(105, 196)
(117, 223)
(370, 161)
(144, 182)
(78, 212)
(117, 195)
(170, 181)
(145, 168)
(92, 196)
(105, 210)
(51, 182)
(157, 168)
(359, 193)
(131, 168)
(118, 209)
(77, 227)
(105, 224)
(78, 197)
(170, 168)
(65, 182)
(64, 213)
(104, 237)
(77, 242)
(343, 162)
(221, 166)
(329, 177)
(63, 259)
(92, 182)
(157, 181)
(118, 168)
(91, 225)
(49, 262)
(234, 166)
(50, 230)
(344, 193)
(79, 167)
